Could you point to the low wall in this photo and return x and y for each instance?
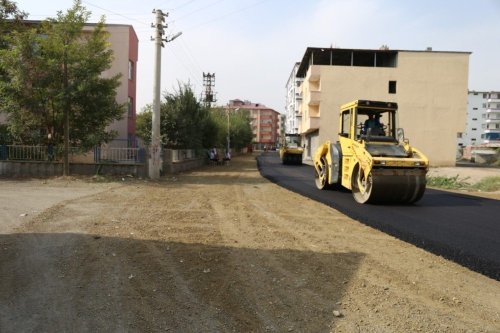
(40, 169)
(174, 162)
(184, 165)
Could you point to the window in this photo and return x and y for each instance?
(130, 70)
(474, 129)
(485, 95)
(474, 108)
(346, 123)
(392, 87)
(474, 118)
(459, 135)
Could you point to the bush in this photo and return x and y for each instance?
(488, 184)
(451, 183)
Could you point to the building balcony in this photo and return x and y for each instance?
(314, 97)
(310, 124)
(313, 74)
(492, 120)
(492, 124)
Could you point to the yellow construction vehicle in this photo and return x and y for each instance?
(372, 157)
(290, 150)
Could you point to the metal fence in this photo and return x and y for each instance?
(16, 152)
(119, 155)
(51, 153)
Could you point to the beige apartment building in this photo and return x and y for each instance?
(124, 43)
(430, 88)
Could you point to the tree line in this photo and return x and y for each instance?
(186, 123)
(52, 89)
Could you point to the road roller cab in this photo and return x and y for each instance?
(372, 158)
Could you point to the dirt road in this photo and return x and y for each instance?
(220, 250)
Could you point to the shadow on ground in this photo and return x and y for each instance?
(76, 282)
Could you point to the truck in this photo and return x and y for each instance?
(290, 150)
(372, 157)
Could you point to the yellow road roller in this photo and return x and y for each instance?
(372, 157)
(290, 150)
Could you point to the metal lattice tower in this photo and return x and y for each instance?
(209, 84)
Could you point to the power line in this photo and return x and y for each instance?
(183, 5)
(196, 10)
(115, 13)
(226, 15)
(189, 54)
(192, 76)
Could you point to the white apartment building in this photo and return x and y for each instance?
(293, 101)
(483, 119)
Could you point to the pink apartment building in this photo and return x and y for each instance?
(264, 121)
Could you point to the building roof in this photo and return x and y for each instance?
(344, 57)
(238, 103)
(37, 22)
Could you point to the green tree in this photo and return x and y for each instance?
(187, 124)
(55, 84)
(10, 19)
(183, 119)
(143, 124)
(218, 136)
(240, 131)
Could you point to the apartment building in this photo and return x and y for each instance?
(124, 43)
(264, 122)
(293, 119)
(483, 119)
(430, 88)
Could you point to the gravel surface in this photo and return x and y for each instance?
(219, 249)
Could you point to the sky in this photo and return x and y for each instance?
(252, 45)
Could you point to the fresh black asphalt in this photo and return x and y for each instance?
(459, 227)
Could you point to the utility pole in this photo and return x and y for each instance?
(155, 162)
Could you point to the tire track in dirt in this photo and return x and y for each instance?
(282, 256)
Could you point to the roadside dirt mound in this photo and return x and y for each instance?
(223, 250)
